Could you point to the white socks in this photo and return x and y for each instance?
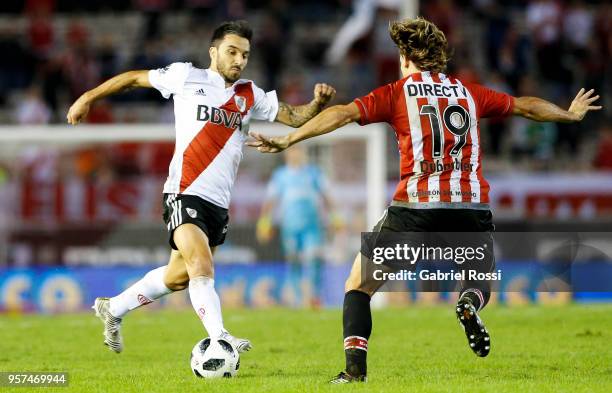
(206, 304)
(204, 299)
(145, 291)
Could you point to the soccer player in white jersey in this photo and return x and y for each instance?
(212, 108)
(442, 188)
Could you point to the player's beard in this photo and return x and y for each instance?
(231, 74)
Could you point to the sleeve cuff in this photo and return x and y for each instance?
(510, 107)
(363, 119)
(273, 100)
(154, 81)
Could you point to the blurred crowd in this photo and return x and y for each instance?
(57, 49)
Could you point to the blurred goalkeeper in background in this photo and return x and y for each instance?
(295, 195)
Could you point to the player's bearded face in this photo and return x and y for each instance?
(231, 57)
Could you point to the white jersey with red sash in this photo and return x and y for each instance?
(211, 123)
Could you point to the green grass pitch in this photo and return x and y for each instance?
(415, 349)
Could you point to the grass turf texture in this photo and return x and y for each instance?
(417, 349)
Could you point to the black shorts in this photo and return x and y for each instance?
(182, 209)
(443, 227)
(434, 227)
(403, 219)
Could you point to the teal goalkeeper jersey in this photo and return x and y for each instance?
(298, 192)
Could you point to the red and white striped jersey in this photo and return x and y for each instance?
(212, 124)
(435, 118)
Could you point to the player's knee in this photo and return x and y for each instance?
(349, 284)
(356, 283)
(176, 280)
(199, 265)
(176, 283)
(353, 284)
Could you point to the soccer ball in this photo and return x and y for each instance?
(214, 358)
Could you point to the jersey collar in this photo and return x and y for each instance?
(409, 76)
(427, 73)
(215, 78)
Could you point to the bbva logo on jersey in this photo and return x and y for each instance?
(219, 116)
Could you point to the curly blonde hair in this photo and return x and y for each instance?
(420, 41)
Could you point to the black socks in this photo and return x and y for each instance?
(357, 323)
(478, 298)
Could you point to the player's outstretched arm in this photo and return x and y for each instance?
(329, 120)
(296, 116)
(537, 109)
(122, 82)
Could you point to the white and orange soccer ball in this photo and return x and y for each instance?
(214, 358)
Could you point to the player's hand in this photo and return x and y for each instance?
(336, 221)
(264, 230)
(323, 93)
(582, 104)
(77, 112)
(267, 144)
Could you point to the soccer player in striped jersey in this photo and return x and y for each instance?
(436, 121)
(213, 108)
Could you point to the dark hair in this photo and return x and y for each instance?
(240, 28)
(422, 42)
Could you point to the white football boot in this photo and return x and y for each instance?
(112, 325)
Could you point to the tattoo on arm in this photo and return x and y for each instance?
(296, 116)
